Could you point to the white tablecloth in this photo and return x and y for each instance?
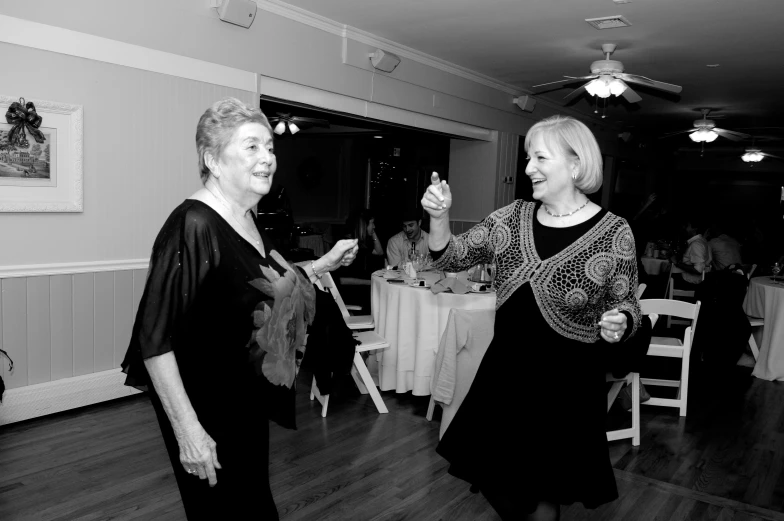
(412, 321)
(655, 266)
(765, 299)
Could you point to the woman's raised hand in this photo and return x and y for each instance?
(438, 197)
(342, 254)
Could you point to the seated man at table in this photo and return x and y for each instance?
(411, 239)
(725, 249)
(697, 258)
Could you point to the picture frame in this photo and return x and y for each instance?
(47, 178)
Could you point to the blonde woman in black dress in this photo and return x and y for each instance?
(530, 433)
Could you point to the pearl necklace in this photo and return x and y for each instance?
(564, 214)
(231, 214)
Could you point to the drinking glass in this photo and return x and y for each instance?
(775, 269)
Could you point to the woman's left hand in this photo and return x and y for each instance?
(342, 254)
(613, 325)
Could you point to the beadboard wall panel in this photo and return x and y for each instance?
(103, 320)
(123, 313)
(14, 298)
(56, 327)
(61, 316)
(39, 337)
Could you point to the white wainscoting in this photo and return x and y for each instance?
(67, 328)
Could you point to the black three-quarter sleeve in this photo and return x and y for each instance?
(183, 254)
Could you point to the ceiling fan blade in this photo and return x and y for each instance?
(729, 134)
(309, 121)
(771, 155)
(642, 80)
(576, 92)
(678, 132)
(630, 95)
(569, 79)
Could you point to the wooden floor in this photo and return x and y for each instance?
(723, 462)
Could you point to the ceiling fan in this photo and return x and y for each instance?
(706, 131)
(294, 123)
(755, 155)
(607, 78)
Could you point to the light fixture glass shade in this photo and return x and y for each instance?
(598, 87)
(280, 128)
(617, 87)
(752, 157)
(703, 135)
(293, 128)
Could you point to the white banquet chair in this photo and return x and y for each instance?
(672, 348)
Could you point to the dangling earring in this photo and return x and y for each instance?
(574, 177)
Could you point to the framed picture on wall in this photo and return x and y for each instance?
(47, 176)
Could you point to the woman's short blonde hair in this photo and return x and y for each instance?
(575, 141)
(217, 126)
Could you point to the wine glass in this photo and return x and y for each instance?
(775, 269)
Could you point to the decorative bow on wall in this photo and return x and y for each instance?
(21, 115)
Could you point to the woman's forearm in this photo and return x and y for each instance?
(377, 249)
(165, 375)
(438, 239)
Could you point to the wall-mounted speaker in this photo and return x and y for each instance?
(383, 60)
(526, 103)
(237, 12)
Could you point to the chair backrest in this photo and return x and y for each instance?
(751, 271)
(673, 308)
(327, 283)
(640, 290)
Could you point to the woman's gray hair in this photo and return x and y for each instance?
(576, 141)
(217, 126)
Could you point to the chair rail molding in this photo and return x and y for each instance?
(68, 268)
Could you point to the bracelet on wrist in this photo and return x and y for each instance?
(313, 267)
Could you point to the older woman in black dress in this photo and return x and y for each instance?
(530, 433)
(221, 322)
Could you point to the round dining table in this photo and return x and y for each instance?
(412, 320)
(654, 266)
(765, 299)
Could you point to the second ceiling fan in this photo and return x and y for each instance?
(608, 78)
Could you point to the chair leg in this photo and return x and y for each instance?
(753, 346)
(359, 363)
(635, 409)
(323, 399)
(358, 380)
(683, 393)
(431, 407)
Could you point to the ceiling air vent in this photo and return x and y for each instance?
(609, 22)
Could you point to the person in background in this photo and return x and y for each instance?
(412, 239)
(370, 255)
(697, 258)
(724, 249)
(215, 281)
(565, 285)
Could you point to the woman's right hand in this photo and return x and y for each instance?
(438, 197)
(198, 452)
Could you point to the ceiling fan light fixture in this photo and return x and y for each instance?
(703, 136)
(280, 128)
(752, 157)
(710, 136)
(293, 128)
(598, 87)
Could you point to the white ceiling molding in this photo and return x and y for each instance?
(64, 41)
(325, 24)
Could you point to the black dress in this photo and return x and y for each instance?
(532, 427)
(198, 303)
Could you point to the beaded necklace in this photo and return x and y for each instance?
(564, 214)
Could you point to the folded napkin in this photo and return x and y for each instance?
(450, 283)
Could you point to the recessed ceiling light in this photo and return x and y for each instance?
(713, 65)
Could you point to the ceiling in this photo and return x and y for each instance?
(525, 43)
